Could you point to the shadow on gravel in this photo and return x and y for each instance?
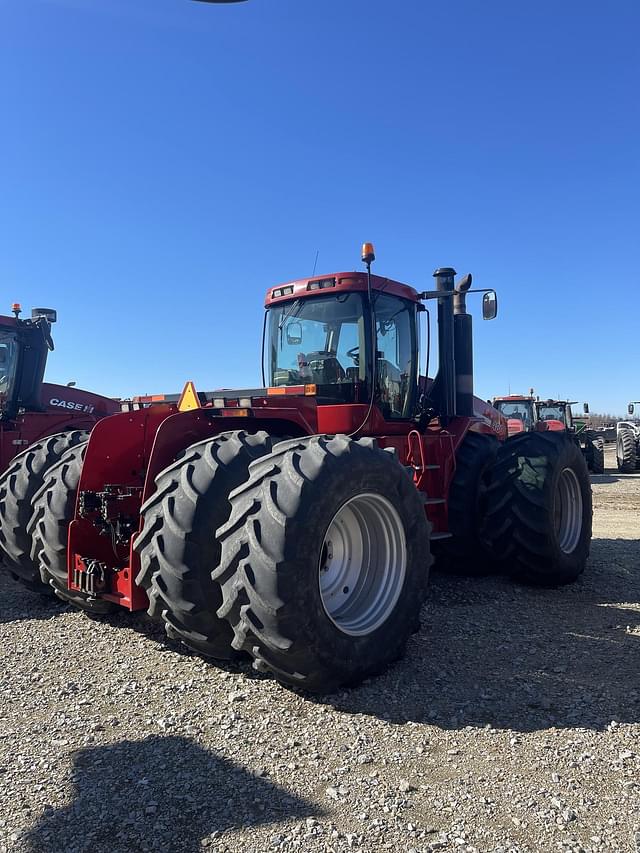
(17, 603)
(494, 653)
(162, 793)
(142, 624)
(607, 478)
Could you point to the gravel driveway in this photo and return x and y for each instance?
(513, 724)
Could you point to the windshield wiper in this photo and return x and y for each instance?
(294, 306)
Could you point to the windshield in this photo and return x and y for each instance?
(518, 410)
(325, 340)
(551, 413)
(317, 340)
(8, 361)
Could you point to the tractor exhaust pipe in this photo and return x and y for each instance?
(463, 348)
(446, 380)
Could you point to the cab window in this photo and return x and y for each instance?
(396, 355)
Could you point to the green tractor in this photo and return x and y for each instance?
(591, 442)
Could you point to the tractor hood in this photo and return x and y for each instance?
(553, 425)
(491, 416)
(514, 426)
(60, 397)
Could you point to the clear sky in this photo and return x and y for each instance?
(162, 162)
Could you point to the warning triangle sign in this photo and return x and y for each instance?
(189, 398)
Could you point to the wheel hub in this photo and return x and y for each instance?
(363, 564)
(568, 511)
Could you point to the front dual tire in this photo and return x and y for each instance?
(320, 562)
(324, 562)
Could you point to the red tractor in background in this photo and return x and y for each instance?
(296, 522)
(38, 421)
(526, 413)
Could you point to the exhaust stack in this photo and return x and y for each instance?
(463, 348)
(446, 379)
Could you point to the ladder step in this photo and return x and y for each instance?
(410, 469)
(441, 536)
(433, 501)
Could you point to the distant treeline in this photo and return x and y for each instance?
(598, 420)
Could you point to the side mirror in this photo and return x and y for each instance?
(489, 305)
(585, 408)
(294, 333)
(630, 408)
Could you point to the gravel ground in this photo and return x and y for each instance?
(513, 724)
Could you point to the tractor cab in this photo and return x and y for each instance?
(558, 415)
(24, 346)
(355, 338)
(554, 414)
(8, 364)
(323, 337)
(519, 412)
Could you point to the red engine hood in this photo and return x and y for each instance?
(56, 398)
(550, 426)
(495, 419)
(514, 426)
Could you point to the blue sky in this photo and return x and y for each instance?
(162, 162)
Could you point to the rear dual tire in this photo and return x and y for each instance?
(48, 529)
(540, 508)
(596, 462)
(18, 486)
(626, 451)
(468, 552)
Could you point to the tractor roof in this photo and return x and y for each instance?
(514, 398)
(337, 282)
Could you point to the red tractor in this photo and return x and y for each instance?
(296, 522)
(531, 413)
(45, 419)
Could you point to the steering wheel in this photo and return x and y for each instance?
(319, 359)
(354, 353)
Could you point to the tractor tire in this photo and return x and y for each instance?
(597, 456)
(626, 451)
(467, 552)
(177, 544)
(53, 510)
(540, 509)
(18, 485)
(325, 560)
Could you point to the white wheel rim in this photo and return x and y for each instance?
(568, 511)
(363, 564)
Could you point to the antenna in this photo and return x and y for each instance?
(315, 263)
